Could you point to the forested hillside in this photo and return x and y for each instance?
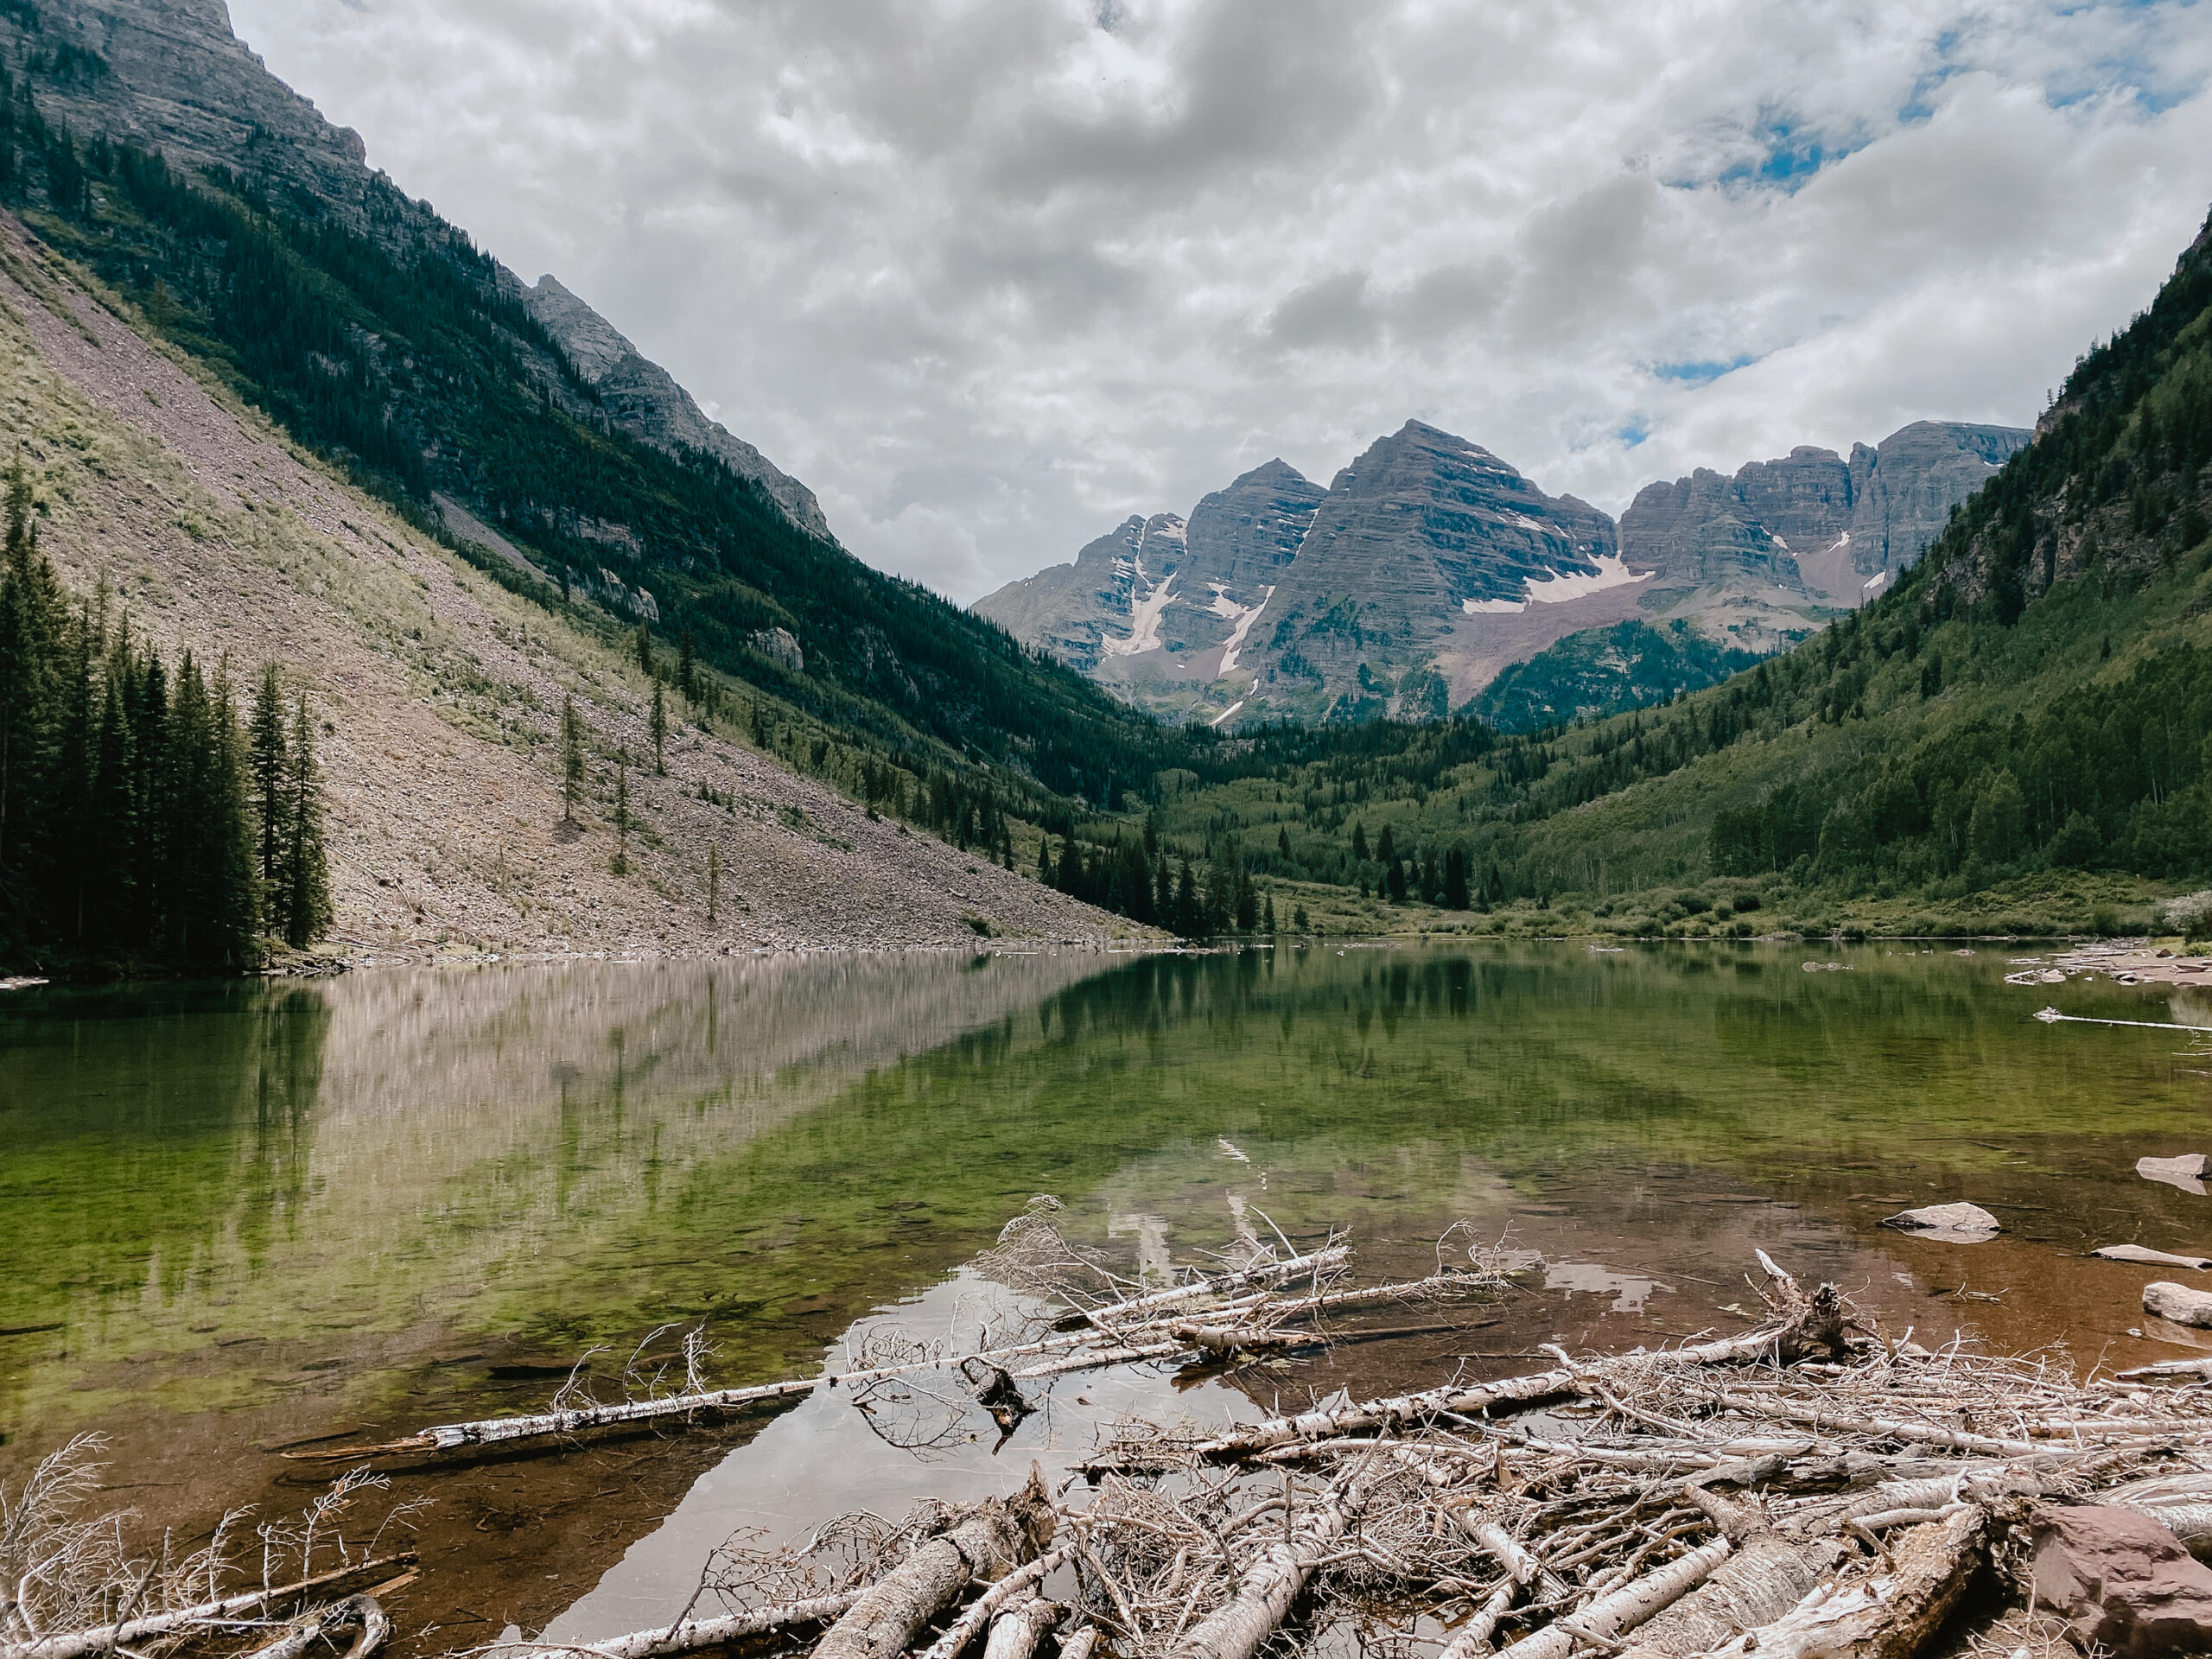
(400, 357)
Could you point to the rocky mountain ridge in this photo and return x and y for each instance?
(1430, 566)
(172, 75)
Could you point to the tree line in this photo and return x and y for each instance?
(143, 822)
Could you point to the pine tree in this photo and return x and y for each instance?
(31, 615)
(1282, 842)
(1455, 880)
(1187, 919)
(687, 667)
(1359, 841)
(306, 908)
(1268, 916)
(657, 723)
(572, 760)
(620, 864)
(645, 650)
(269, 771)
(1044, 860)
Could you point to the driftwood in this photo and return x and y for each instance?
(980, 1613)
(1889, 1615)
(1015, 1633)
(1237, 1630)
(1625, 1609)
(997, 1536)
(696, 1635)
(224, 1610)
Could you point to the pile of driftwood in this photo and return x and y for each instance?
(1809, 1488)
(1805, 1488)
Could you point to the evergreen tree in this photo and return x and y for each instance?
(687, 667)
(1455, 880)
(572, 760)
(1187, 919)
(269, 769)
(31, 615)
(1268, 916)
(657, 723)
(1044, 859)
(1299, 921)
(646, 651)
(305, 909)
(1282, 842)
(620, 864)
(1359, 841)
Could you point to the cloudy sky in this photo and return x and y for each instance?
(990, 274)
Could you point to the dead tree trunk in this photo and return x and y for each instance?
(1610, 1617)
(1762, 1581)
(1015, 1634)
(80, 1644)
(1001, 1533)
(1264, 1593)
(696, 1634)
(1473, 1637)
(1889, 1615)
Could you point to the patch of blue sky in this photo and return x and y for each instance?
(1704, 372)
(1633, 434)
(1787, 157)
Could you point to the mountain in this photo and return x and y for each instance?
(144, 142)
(1430, 566)
(2013, 735)
(1819, 529)
(170, 75)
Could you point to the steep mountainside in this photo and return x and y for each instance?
(1430, 566)
(440, 692)
(1161, 609)
(504, 417)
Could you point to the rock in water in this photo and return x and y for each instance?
(1952, 1224)
(2153, 1258)
(2122, 1580)
(2187, 1171)
(2178, 1303)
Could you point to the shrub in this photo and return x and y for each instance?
(2191, 917)
(1746, 901)
(1692, 903)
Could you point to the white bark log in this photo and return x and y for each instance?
(1119, 1314)
(999, 1535)
(1611, 1617)
(1758, 1584)
(695, 1634)
(978, 1613)
(77, 1644)
(1473, 1638)
(1267, 1588)
(1016, 1632)
(1890, 1614)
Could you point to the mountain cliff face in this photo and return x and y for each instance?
(1820, 529)
(170, 75)
(1430, 566)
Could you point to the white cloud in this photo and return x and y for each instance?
(990, 274)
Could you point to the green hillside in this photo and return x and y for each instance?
(2016, 736)
(1602, 671)
(399, 356)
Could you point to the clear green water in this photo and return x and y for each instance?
(293, 1208)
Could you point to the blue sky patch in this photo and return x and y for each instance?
(1702, 373)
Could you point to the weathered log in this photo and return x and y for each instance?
(1787, 1339)
(1613, 1616)
(1889, 1615)
(1016, 1632)
(353, 1612)
(1119, 1314)
(695, 1634)
(77, 1644)
(1265, 1590)
(1764, 1578)
(980, 1613)
(999, 1535)
(1081, 1644)
(1473, 1638)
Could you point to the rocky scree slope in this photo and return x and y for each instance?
(440, 692)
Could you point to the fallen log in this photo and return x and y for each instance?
(1016, 1632)
(1819, 1322)
(1000, 1534)
(1106, 1314)
(696, 1635)
(1889, 1615)
(1615, 1615)
(77, 1644)
(1764, 1578)
(1473, 1638)
(986, 1606)
(327, 1622)
(1265, 1589)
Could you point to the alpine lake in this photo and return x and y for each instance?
(239, 1219)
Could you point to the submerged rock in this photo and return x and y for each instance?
(2154, 1258)
(2122, 1580)
(2187, 1171)
(2178, 1303)
(1954, 1224)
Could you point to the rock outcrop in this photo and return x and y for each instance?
(170, 75)
(1430, 566)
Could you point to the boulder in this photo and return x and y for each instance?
(2187, 1171)
(2150, 1258)
(1952, 1224)
(2121, 1581)
(2178, 1303)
